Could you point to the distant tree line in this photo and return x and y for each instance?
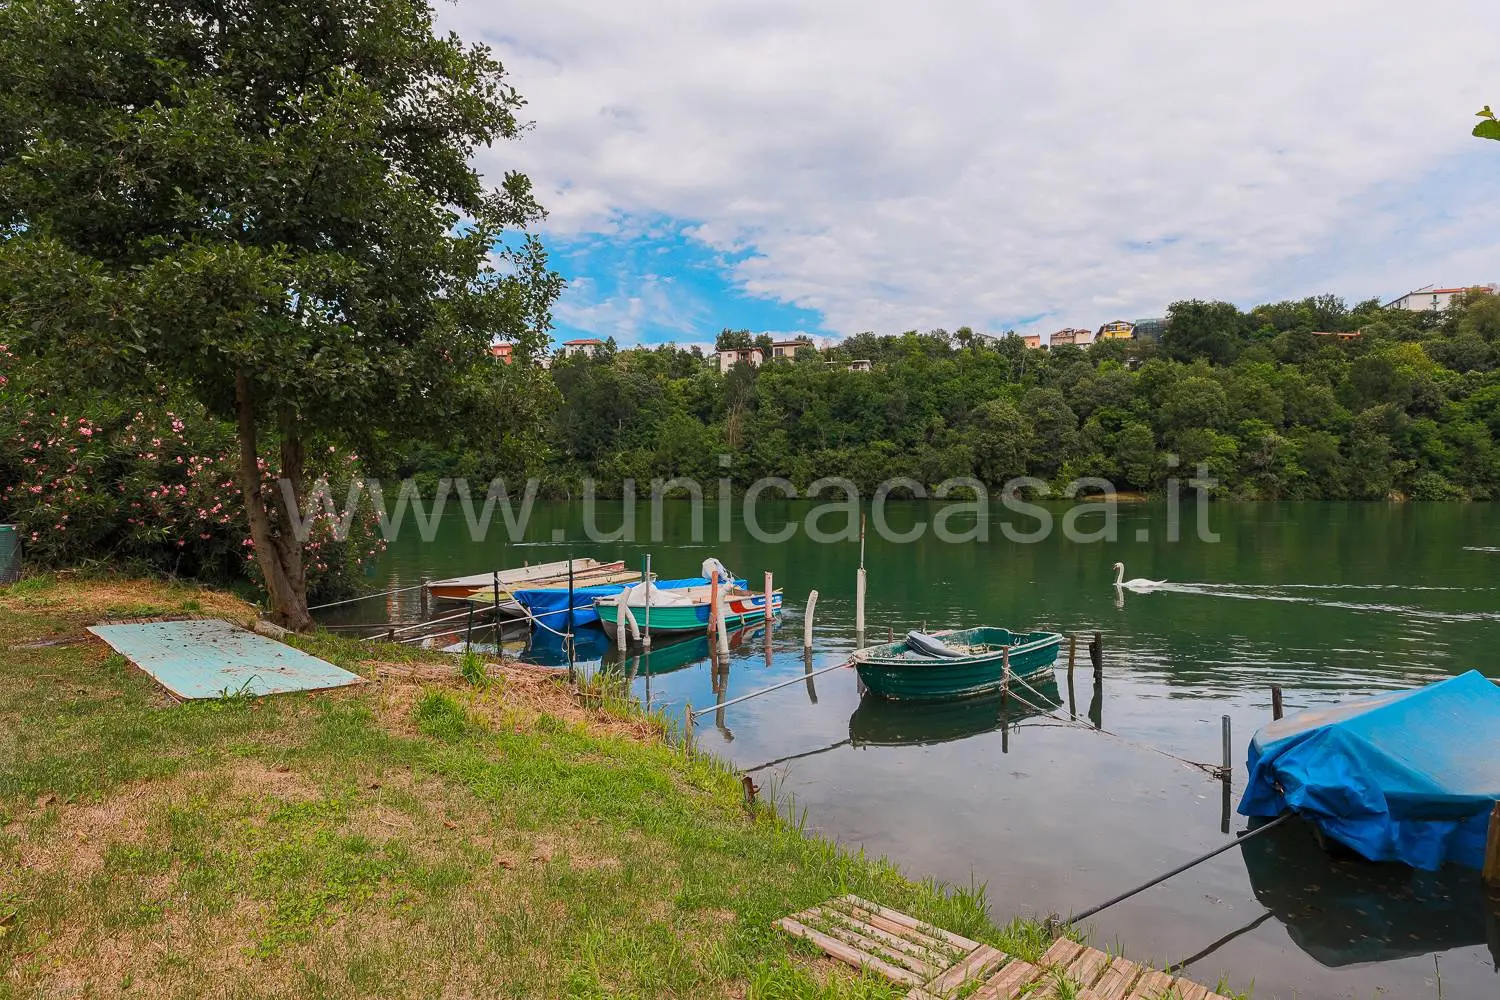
(1272, 401)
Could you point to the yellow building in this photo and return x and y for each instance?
(1117, 330)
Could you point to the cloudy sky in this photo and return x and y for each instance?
(833, 166)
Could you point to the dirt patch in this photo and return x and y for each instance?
(95, 599)
(518, 696)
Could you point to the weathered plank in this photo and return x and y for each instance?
(940, 957)
(1151, 986)
(927, 942)
(1009, 982)
(878, 949)
(956, 940)
(1062, 952)
(1087, 966)
(849, 954)
(976, 965)
(1188, 990)
(1117, 979)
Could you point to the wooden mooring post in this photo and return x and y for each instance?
(1005, 678)
(807, 620)
(1096, 654)
(1491, 873)
(1228, 750)
(768, 597)
(1072, 653)
(1275, 702)
(426, 595)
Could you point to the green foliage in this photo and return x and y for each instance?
(1490, 127)
(472, 669)
(1275, 406)
(269, 208)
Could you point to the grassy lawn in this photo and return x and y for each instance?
(420, 836)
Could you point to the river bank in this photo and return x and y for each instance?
(419, 835)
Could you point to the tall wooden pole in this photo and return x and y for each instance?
(807, 621)
(768, 597)
(859, 589)
(1275, 702)
(646, 632)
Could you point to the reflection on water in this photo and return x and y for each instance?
(880, 722)
(1329, 601)
(1342, 910)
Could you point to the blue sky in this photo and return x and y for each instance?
(866, 165)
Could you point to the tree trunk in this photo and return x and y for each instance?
(277, 551)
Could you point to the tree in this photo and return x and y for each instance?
(1490, 127)
(269, 205)
(1209, 330)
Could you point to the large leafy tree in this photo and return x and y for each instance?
(269, 204)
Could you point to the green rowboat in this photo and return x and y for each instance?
(685, 611)
(898, 671)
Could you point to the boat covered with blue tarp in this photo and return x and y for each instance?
(1409, 776)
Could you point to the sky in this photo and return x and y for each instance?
(835, 166)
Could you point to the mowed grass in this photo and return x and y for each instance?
(420, 836)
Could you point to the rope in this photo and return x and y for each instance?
(1212, 770)
(432, 621)
(1182, 868)
(365, 597)
(774, 687)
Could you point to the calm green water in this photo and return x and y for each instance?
(1330, 601)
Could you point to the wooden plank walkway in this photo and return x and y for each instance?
(937, 964)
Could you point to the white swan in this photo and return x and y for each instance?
(1139, 583)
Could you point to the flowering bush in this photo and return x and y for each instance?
(155, 483)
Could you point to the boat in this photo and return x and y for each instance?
(880, 722)
(684, 611)
(913, 669)
(1407, 776)
(481, 585)
(549, 605)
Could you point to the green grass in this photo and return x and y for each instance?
(395, 840)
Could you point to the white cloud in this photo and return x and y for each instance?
(891, 165)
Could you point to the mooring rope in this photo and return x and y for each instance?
(366, 597)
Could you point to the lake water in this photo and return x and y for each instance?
(1329, 601)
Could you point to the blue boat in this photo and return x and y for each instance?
(549, 605)
(1409, 776)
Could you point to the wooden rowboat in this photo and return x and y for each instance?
(900, 672)
(477, 585)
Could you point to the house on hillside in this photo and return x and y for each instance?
(1117, 329)
(588, 346)
(505, 352)
(861, 365)
(1431, 299)
(1032, 341)
(1071, 335)
(786, 350)
(1339, 334)
(728, 359)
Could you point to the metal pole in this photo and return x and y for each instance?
(570, 607)
(496, 586)
(646, 632)
(777, 687)
(469, 629)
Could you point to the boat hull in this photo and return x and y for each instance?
(669, 620)
(549, 605)
(886, 673)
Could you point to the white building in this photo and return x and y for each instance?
(1431, 299)
(728, 359)
(786, 350)
(585, 345)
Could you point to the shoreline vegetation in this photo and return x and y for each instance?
(423, 833)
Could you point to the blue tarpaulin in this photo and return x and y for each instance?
(549, 605)
(1409, 776)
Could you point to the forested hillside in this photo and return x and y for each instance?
(1272, 402)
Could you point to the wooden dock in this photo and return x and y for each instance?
(938, 964)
